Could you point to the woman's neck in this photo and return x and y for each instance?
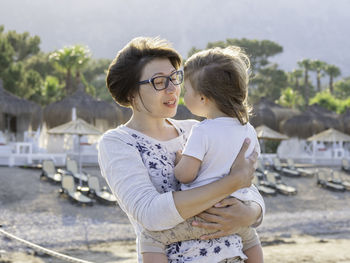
(158, 128)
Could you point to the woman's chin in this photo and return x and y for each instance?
(170, 113)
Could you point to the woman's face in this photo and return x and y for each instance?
(157, 103)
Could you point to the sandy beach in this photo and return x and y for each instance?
(312, 226)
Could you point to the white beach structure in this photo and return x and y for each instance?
(325, 148)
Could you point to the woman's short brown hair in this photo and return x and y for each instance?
(126, 69)
(221, 74)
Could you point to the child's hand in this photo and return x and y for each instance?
(178, 157)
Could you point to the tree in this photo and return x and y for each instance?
(326, 100)
(294, 79)
(40, 62)
(71, 60)
(318, 66)
(342, 88)
(95, 78)
(259, 51)
(305, 64)
(6, 53)
(269, 81)
(52, 90)
(332, 71)
(192, 51)
(290, 98)
(23, 44)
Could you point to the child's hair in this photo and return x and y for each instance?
(125, 70)
(221, 74)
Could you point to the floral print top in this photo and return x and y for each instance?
(159, 157)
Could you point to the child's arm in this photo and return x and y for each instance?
(187, 169)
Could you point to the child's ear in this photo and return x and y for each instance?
(204, 99)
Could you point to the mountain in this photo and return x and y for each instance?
(305, 28)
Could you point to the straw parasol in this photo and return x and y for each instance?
(78, 127)
(330, 135)
(87, 107)
(265, 133)
(268, 113)
(183, 113)
(18, 107)
(263, 114)
(345, 119)
(314, 120)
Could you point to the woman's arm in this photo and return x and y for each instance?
(229, 216)
(192, 202)
(122, 166)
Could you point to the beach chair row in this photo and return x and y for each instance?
(80, 188)
(269, 181)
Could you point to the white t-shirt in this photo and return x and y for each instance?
(217, 142)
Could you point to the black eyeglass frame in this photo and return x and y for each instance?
(168, 78)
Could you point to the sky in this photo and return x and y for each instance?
(315, 29)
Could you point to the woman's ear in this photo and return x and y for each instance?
(133, 103)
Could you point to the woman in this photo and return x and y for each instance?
(137, 159)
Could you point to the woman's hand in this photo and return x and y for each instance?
(242, 169)
(228, 216)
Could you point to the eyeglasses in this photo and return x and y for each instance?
(162, 82)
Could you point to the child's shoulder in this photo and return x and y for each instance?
(185, 125)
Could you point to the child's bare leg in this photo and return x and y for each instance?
(254, 254)
(149, 257)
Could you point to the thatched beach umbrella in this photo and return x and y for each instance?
(183, 113)
(78, 127)
(268, 113)
(330, 135)
(328, 118)
(265, 133)
(24, 112)
(263, 115)
(302, 126)
(345, 119)
(88, 108)
(314, 120)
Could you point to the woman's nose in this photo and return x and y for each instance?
(171, 87)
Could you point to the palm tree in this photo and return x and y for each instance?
(306, 65)
(294, 78)
(290, 98)
(70, 59)
(333, 72)
(318, 66)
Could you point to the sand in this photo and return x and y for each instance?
(313, 226)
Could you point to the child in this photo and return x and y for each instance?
(216, 87)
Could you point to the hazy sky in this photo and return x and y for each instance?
(305, 28)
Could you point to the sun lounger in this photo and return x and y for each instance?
(337, 179)
(325, 181)
(72, 169)
(49, 172)
(264, 190)
(285, 171)
(302, 171)
(345, 165)
(101, 194)
(68, 188)
(280, 186)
